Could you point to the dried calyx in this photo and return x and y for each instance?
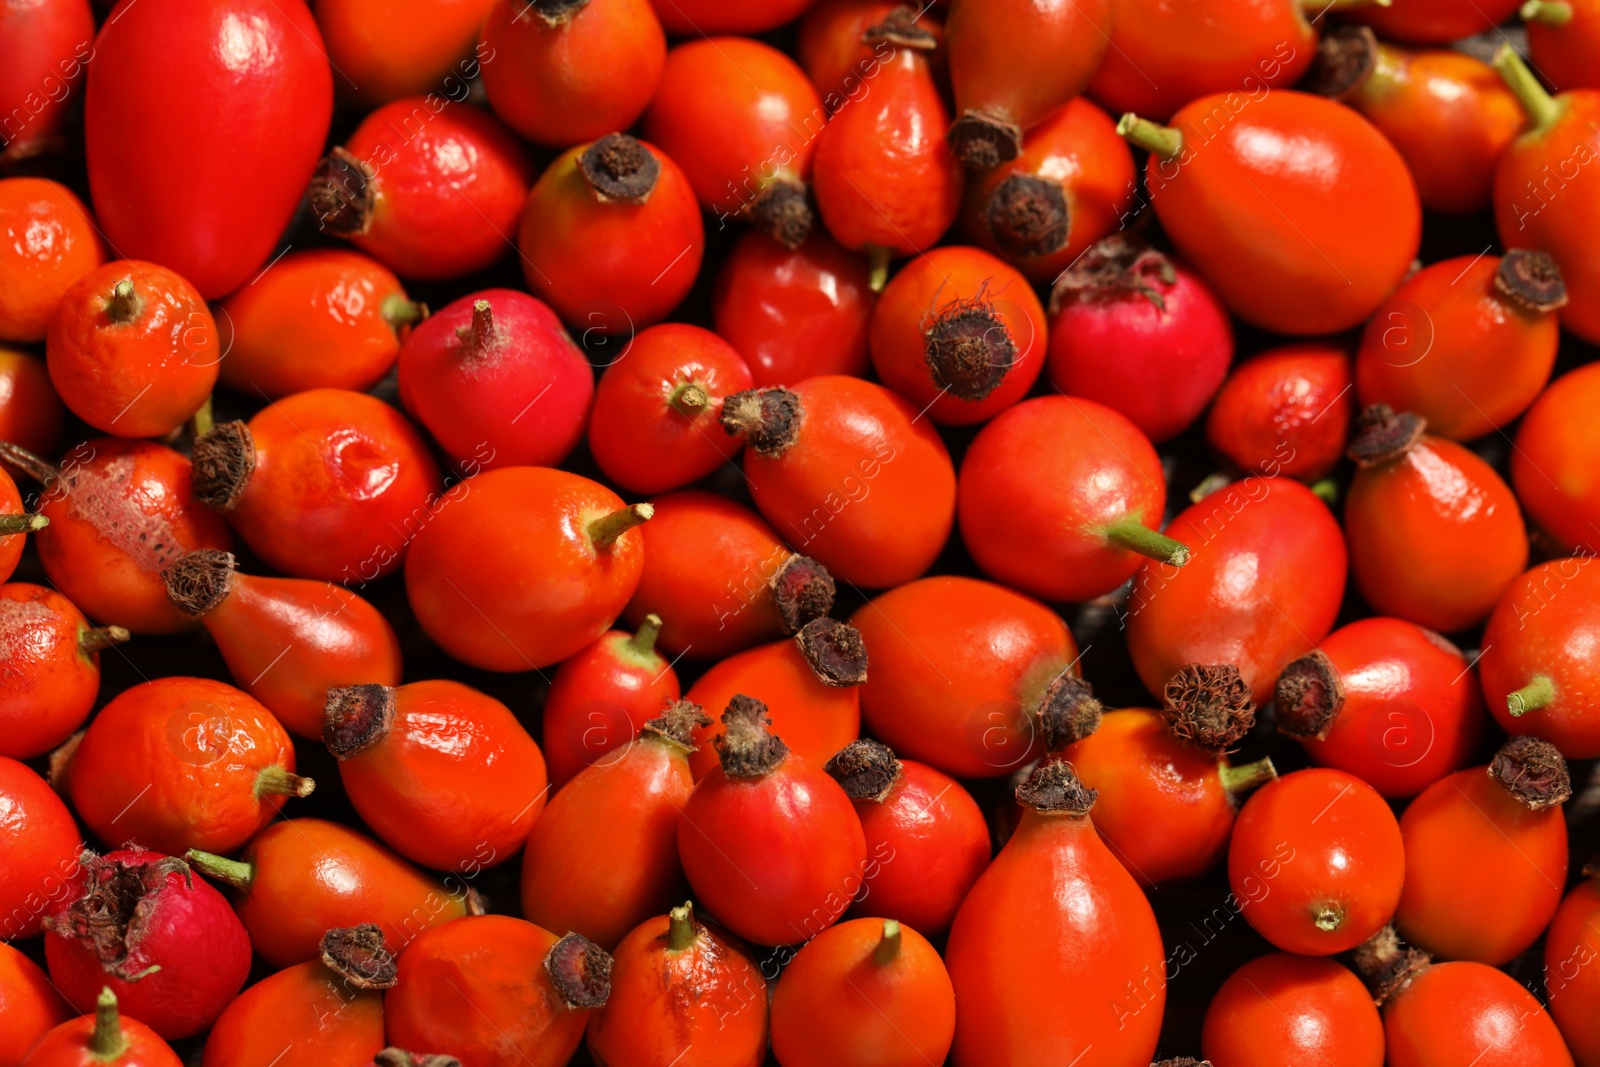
(899, 28)
(835, 651)
(967, 346)
(1533, 771)
(768, 419)
(620, 169)
(224, 460)
(356, 718)
(580, 970)
(342, 195)
(782, 211)
(1054, 789)
(677, 723)
(865, 770)
(1531, 281)
(982, 140)
(1345, 59)
(398, 1057)
(1387, 964)
(1182, 1061)
(113, 912)
(1068, 712)
(557, 12)
(802, 590)
(1384, 434)
(1113, 267)
(1308, 697)
(1027, 215)
(199, 581)
(745, 747)
(358, 954)
(1208, 705)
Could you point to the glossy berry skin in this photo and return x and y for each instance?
(428, 188)
(120, 513)
(1072, 185)
(182, 763)
(50, 663)
(387, 54)
(308, 1010)
(995, 652)
(1563, 50)
(168, 918)
(536, 523)
(856, 993)
(937, 835)
(600, 696)
(1554, 479)
(605, 262)
(300, 878)
(325, 318)
(1434, 21)
(1163, 55)
(655, 424)
(29, 1006)
(700, 17)
(1164, 807)
(1435, 535)
(341, 483)
(133, 349)
(1408, 710)
(1456, 1012)
(230, 130)
(287, 641)
(47, 241)
(604, 855)
(502, 387)
(1316, 862)
(476, 987)
(741, 119)
(1058, 497)
(1452, 347)
(1007, 958)
(881, 478)
(43, 48)
(945, 300)
(41, 845)
(1544, 627)
(709, 564)
(681, 991)
(74, 1044)
(1484, 873)
(1449, 115)
(1285, 411)
(1171, 330)
(1558, 139)
(443, 774)
(793, 829)
(796, 313)
(1570, 946)
(1296, 1006)
(814, 717)
(1014, 62)
(573, 73)
(30, 411)
(1337, 203)
(882, 174)
(1197, 613)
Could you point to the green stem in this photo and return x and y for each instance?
(274, 781)
(1531, 697)
(236, 873)
(124, 302)
(681, 927)
(644, 639)
(1326, 490)
(689, 399)
(398, 311)
(1547, 12)
(1163, 141)
(1246, 777)
(1542, 108)
(21, 523)
(1135, 536)
(607, 528)
(877, 267)
(108, 1042)
(888, 948)
(92, 639)
(200, 422)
